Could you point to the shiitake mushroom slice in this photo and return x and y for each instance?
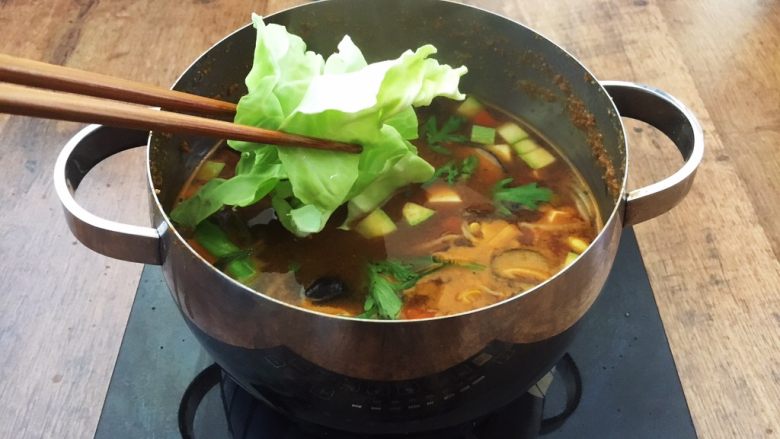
(522, 265)
(326, 288)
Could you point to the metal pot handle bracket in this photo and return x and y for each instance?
(674, 119)
(86, 149)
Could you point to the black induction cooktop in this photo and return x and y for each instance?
(630, 387)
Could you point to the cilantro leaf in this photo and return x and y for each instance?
(430, 131)
(508, 199)
(447, 172)
(452, 172)
(436, 137)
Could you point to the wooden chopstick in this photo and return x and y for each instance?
(39, 103)
(53, 77)
(16, 99)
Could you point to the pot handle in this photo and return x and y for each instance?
(674, 119)
(86, 149)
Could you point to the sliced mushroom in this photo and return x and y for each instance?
(522, 265)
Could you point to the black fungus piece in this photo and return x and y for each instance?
(325, 288)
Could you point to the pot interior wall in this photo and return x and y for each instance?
(509, 65)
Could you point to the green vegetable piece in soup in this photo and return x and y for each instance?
(484, 135)
(470, 107)
(415, 214)
(376, 224)
(538, 158)
(237, 263)
(511, 132)
(387, 280)
(525, 146)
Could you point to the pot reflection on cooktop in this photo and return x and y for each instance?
(630, 384)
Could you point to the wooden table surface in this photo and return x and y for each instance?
(713, 261)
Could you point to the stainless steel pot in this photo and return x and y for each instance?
(397, 376)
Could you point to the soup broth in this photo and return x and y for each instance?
(504, 212)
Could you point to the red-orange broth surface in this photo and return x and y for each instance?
(490, 256)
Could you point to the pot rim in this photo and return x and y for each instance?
(615, 214)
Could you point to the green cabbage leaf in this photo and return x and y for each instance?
(342, 98)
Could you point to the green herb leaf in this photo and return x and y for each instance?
(386, 282)
(389, 279)
(452, 173)
(386, 296)
(468, 167)
(401, 271)
(447, 172)
(370, 313)
(509, 199)
(436, 137)
(370, 304)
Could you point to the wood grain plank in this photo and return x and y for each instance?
(63, 308)
(26, 101)
(740, 85)
(741, 88)
(710, 260)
